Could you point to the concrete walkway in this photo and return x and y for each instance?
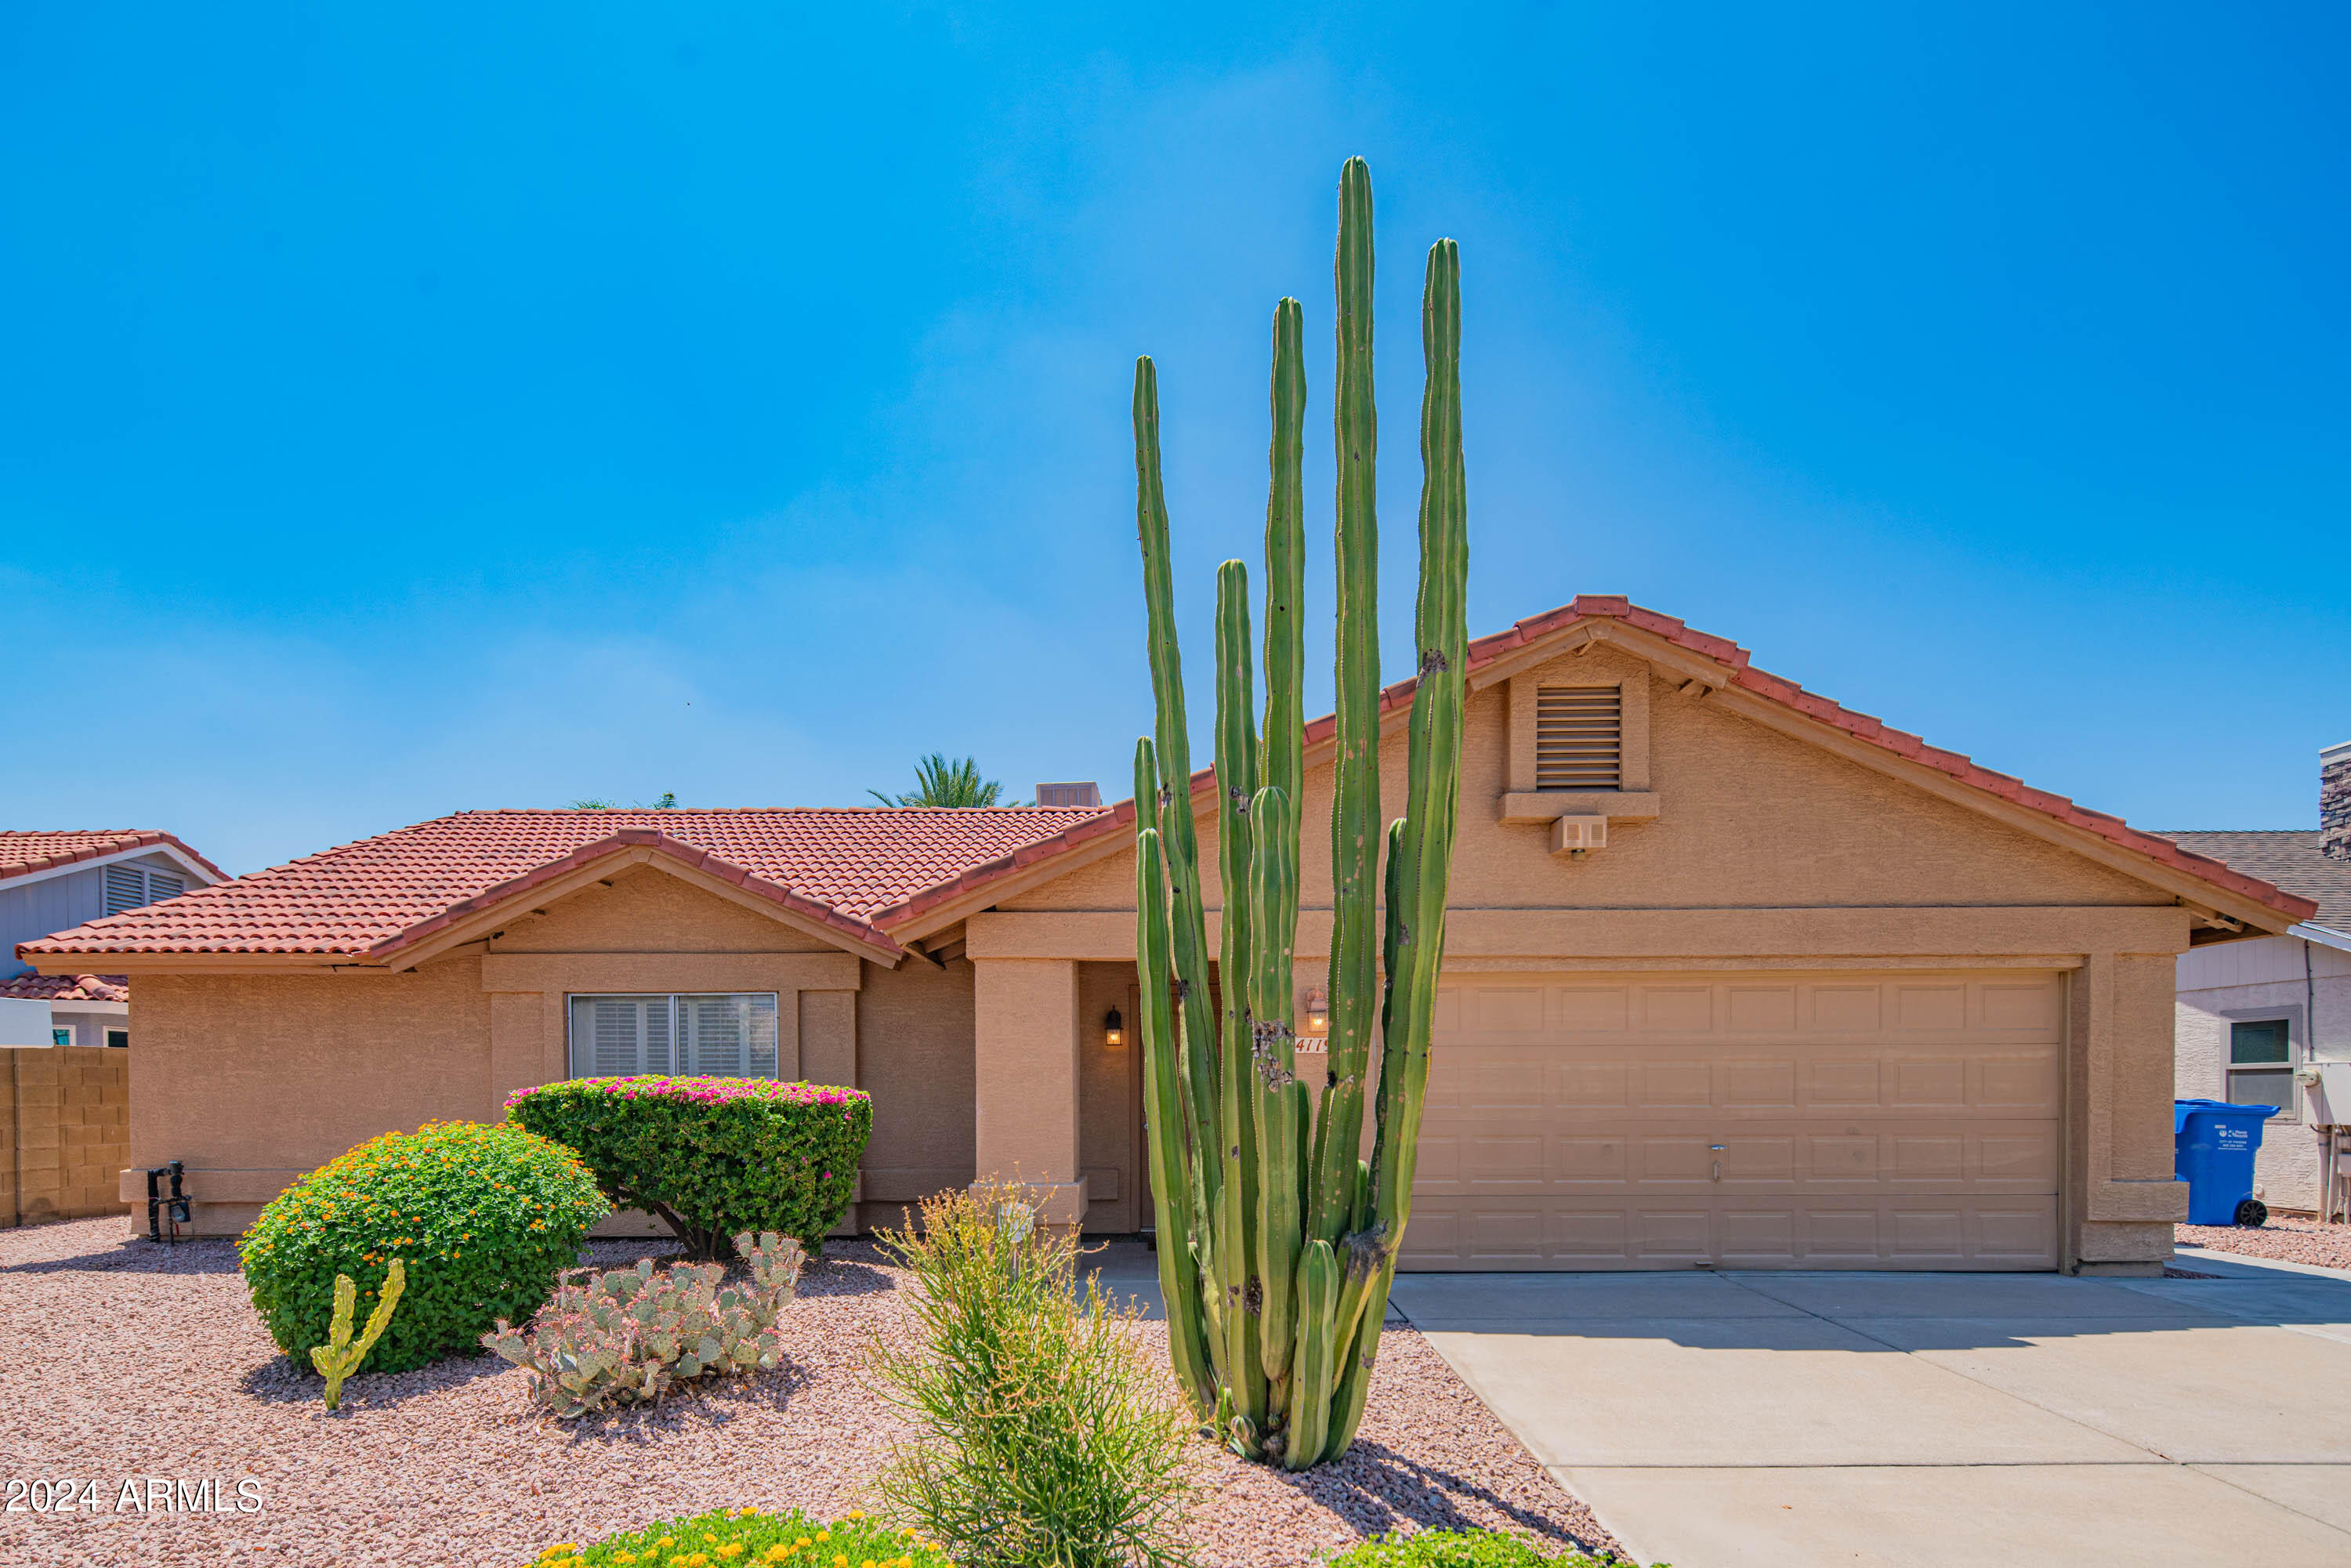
(1793, 1420)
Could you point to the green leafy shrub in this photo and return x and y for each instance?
(633, 1334)
(1047, 1434)
(484, 1218)
(747, 1538)
(1464, 1549)
(714, 1157)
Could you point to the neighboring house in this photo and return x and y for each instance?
(50, 881)
(2252, 1013)
(65, 1096)
(1733, 975)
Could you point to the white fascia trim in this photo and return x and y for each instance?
(2324, 936)
(172, 852)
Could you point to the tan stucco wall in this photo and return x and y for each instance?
(254, 1079)
(646, 910)
(914, 1034)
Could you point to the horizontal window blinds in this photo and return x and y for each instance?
(726, 1036)
(1579, 738)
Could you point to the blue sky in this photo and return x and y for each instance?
(443, 407)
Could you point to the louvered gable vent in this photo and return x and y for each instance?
(1579, 738)
(128, 887)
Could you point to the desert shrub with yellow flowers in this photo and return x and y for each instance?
(485, 1218)
(747, 1538)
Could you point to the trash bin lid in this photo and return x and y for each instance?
(2183, 1109)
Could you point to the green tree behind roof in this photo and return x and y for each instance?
(941, 782)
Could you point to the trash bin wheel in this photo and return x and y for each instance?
(2253, 1213)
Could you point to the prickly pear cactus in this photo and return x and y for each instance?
(1277, 1242)
(631, 1336)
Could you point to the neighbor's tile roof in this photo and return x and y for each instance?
(1735, 671)
(22, 853)
(66, 988)
(2289, 858)
(379, 894)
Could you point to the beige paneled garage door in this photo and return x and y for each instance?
(1816, 1121)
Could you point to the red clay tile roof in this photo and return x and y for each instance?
(22, 853)
(66, 988)
(867, 871)
(1739, 673)
(376, 896)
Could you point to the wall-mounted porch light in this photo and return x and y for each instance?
(1316, 1009)
(1114, 1030)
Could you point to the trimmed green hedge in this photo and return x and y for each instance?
(484, 1219)
(746, 1538)
(1464, 1549)
(713, 1157)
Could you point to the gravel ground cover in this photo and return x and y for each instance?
(2288, 1240)
(134, 1361)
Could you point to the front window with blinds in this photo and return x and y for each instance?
(131, 886)
(1579, 738)
(723, 1036)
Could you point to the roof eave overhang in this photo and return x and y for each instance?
(490, 911)
(201, 869)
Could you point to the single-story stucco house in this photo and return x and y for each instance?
(2267, 1021)
(1734, 975)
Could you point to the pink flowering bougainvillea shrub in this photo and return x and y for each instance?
(483, 1220)
(714, 1157)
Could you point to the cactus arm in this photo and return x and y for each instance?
(1237, 1099)
(1285, 564)
(1355, 803)
(1416, 911)
(340, 1356)
(1280, 1097)
(1171, 1182)
(1317, 1352)
(1179, 840)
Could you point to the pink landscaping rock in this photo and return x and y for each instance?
(2287, 1240)
(140, 1361)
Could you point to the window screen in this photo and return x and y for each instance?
(2260, 1070)
(722, 1036)
(1579, 738)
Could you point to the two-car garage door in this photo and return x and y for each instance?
(1873, 1119)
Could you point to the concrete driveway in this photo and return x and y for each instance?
(1792, 1420)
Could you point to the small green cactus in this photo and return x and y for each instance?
(340, 1356)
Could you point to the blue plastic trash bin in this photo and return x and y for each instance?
(2213, 1144)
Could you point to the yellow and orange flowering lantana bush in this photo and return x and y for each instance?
(483, 1218)
(747, 1538)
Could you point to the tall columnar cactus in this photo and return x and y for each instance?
(1278, 1241)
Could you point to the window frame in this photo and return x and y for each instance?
(2290, 1107)
(63, 1035)
(107, 1037)
(572, 1066)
